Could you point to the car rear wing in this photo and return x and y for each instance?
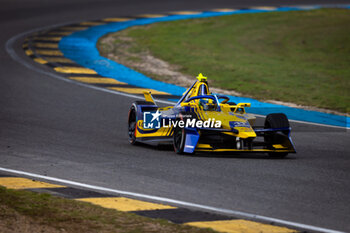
(149, 97)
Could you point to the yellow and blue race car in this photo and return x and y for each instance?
(204, 122)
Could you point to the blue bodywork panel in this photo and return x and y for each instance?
(192, 138)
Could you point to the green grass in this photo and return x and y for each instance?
(34, 212)
(301, 57)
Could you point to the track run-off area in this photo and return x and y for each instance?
(71, 132)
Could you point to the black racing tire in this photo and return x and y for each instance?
(132, 119)
(275, 121)
(179, 135)
(179, 138)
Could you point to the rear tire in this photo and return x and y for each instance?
(132, 119)
(275, 121)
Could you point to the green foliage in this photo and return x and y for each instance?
(74, 216)
(301, 57)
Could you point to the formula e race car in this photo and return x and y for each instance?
(204, 122)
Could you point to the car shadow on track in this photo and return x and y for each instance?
(236, 155)
(246, 155)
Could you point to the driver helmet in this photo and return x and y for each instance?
(207, 104)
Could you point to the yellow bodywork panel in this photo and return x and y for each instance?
(279, 146)
(244, 132)
(201, 78)
(162, 132)
(204, 146)
(148, 96)
(240, 105)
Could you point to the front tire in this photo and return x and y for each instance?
(179, 140)
(275, 121)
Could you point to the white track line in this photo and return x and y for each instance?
(175, 202)
(11, 51)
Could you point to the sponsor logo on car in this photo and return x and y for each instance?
(239, 124)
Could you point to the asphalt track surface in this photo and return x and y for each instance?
(59, 129)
